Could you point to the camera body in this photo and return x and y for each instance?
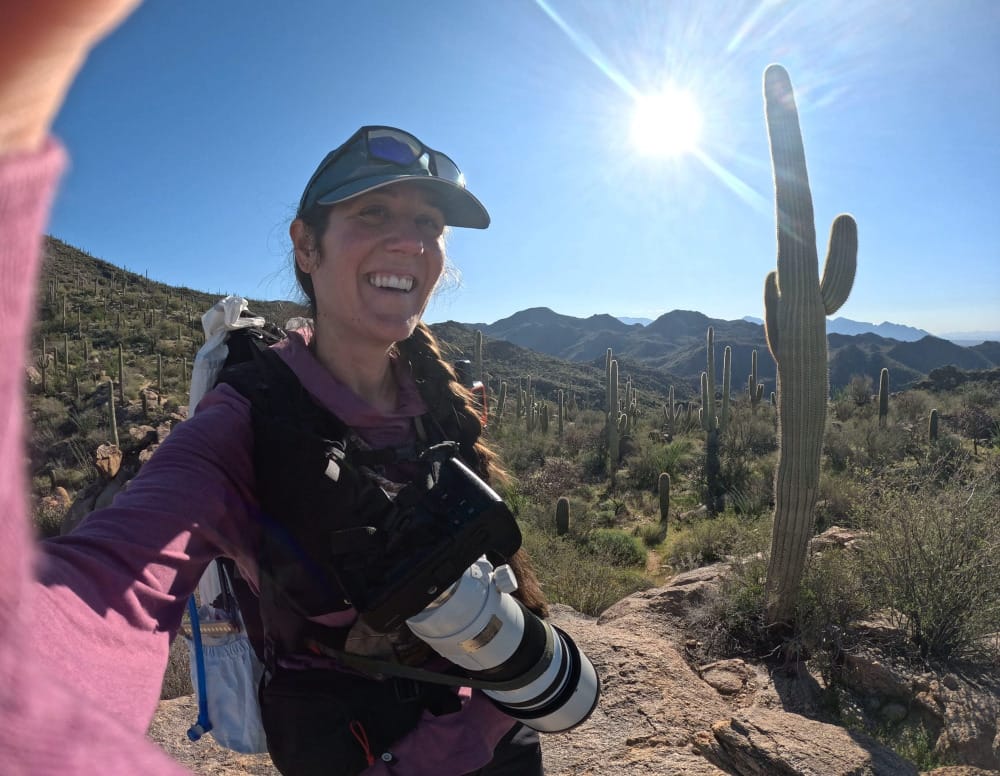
(422, 548)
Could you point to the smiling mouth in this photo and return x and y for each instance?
(403, 283)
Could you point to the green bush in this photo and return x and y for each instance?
(645, 467)
(934, 559)
(575, 578)
(616, 547)
(651, 534)
(713, 539)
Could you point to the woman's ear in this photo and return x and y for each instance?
(304, 245)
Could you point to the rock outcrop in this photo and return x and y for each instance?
(663, 712)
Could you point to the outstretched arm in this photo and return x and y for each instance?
(44, 727)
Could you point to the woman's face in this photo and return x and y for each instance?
(377, 263)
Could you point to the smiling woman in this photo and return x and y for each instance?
(666, 124)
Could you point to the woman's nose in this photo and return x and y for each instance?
(406, 236)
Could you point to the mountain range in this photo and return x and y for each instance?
(674, 344)
(555, 350)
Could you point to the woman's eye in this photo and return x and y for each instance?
(374, 213)
(431, 225)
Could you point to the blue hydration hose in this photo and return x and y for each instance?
(204, 724)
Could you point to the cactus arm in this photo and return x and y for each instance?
(841, 263)
(771, 301)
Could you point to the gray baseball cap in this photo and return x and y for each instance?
(377, 156)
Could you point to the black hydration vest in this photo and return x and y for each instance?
(317, 721)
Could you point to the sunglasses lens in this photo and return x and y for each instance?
(447, 169)
(388, 145)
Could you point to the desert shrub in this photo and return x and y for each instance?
(554, 478)
(524, 452)
(837, 448)
(734, 621)
(838, 494)
(644, 469)
(831, 596)
(578, 579)
(879, 448)
(651, 534)
(911, 407)
(934, 558)
(615, 547)
(977, 424)
(859, 389)
(945, 458)
(713, 539)
(752, 435)
(48, 412)
(980, 395)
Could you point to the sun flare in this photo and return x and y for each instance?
(666, 124)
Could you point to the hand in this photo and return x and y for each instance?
(43, 43)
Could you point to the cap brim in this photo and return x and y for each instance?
(460, 208)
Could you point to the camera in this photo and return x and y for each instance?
(418, 548)
(436, 562)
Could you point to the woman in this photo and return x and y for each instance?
(83, 652)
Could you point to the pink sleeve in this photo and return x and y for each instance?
(49, 724)
(119, 583)
(449, 745)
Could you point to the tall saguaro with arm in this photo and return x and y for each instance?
(796, 303)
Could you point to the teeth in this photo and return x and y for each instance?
(399, 282)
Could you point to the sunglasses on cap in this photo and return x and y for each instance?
(377, 156)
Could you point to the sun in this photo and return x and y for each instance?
(666, 124)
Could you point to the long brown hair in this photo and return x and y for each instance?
(448, 402)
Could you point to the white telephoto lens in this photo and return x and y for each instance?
(478, 627)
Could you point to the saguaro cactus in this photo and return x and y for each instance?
(121, 375)
(755, 390)
(663, 490)
(112, 418)
(501, 402)
(562, 516)
(796, 303)
(883, 397)
(477, 357)
(614, 440)
(932, 427)
(714, 425)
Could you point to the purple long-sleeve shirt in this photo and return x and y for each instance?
(86, 620)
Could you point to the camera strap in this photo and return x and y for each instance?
(381, 669)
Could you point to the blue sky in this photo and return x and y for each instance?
(194, 127)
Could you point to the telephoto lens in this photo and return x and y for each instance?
(541, 677)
